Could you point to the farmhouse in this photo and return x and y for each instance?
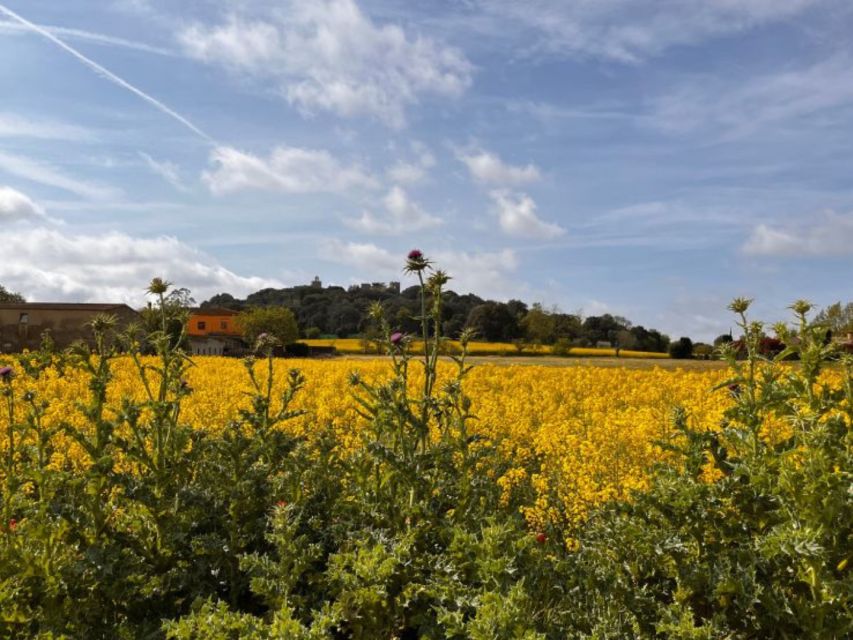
(213, 331)
(22, 324)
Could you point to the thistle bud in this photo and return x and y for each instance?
(158, 286)
(438, 280)
(801, 307)
(740, 305)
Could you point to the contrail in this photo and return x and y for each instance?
(88, 36)
(109, 75)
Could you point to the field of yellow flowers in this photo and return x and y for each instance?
(591, 430)
(358, 345)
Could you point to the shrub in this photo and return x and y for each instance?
(562, 347)
(749, 536)
(312, 333)
(278, 322)
(681, 350)
(702, 351)
(297, 350)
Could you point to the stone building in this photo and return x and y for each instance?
(22, 324)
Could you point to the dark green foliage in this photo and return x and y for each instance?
(602, 328)
(277, 322)
(649, 340)
(722, 339)
(681, 350)
(7, 296)
(837, 318)
(335, 311)
(298, 350)
(493, 322)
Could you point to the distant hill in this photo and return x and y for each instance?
(336, 311)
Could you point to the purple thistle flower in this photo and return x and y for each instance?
(416, 262)
(6, 373)
(396, 338)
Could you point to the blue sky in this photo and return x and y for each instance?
(648, 158)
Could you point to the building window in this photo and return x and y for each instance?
(24, 319)
(224, 325)
(202, 325)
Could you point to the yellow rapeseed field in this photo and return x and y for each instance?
(591, 430)
(358, 345)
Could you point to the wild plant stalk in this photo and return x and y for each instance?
(7, 390)
(415, 441)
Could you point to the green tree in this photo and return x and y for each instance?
(10, 296)
(278, 322)
(681, 350)
(624, 339)
(567, 326)
(493, 322)
(703, 351)
(836, 318)
(722, 339)
(539, 325)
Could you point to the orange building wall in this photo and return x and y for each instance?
(203, 324)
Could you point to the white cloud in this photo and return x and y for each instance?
(47, 265)
(13, 125)
(631, 30)
(401, 215)
(414, 172)
(407, 173)
(45, 174)
(362, 255)
(487, 167)
(830, 234)
(328, 55)
(15, 205)
(490, 274)
(288, 169)
(517, 216)
(169, 171)
(487, 273)
(756, 101)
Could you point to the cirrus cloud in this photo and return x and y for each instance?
(630, 31)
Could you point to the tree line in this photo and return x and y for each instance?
(334, 311)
